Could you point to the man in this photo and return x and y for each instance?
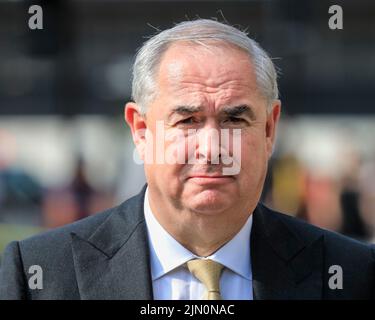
(203, 120)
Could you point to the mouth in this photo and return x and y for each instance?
(213, 179)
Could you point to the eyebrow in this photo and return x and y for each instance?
(235, 111)
(185, 110)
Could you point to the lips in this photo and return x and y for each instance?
(204, 179)
(209, 176)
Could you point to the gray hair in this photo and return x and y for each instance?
(199, 31)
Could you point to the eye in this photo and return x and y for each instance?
(234, 120)
(189, 120)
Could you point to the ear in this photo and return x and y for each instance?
(137, 124)
(271, 125)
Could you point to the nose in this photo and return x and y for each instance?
(208, 149)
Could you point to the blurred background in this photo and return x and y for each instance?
(66, 153)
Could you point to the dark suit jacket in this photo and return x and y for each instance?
(106, 256)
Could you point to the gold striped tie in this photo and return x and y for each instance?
(208, 272)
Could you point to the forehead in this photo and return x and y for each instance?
(205, 66)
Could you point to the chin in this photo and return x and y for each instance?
(210, 201)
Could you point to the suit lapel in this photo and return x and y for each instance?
(113, 263)
(283, 266)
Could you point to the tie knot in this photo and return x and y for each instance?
(208, 272)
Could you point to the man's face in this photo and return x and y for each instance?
(201, 91)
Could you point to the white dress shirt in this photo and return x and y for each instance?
(171, 280)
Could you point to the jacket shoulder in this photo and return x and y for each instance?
(52, 251)
(336, 246)
(61, 236)
(307, 231)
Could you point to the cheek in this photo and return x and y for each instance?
(166, 176)
(254, 155)
(176, 149)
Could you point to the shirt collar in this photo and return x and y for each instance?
(167, 253)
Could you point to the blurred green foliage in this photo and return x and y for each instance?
(11, 232)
